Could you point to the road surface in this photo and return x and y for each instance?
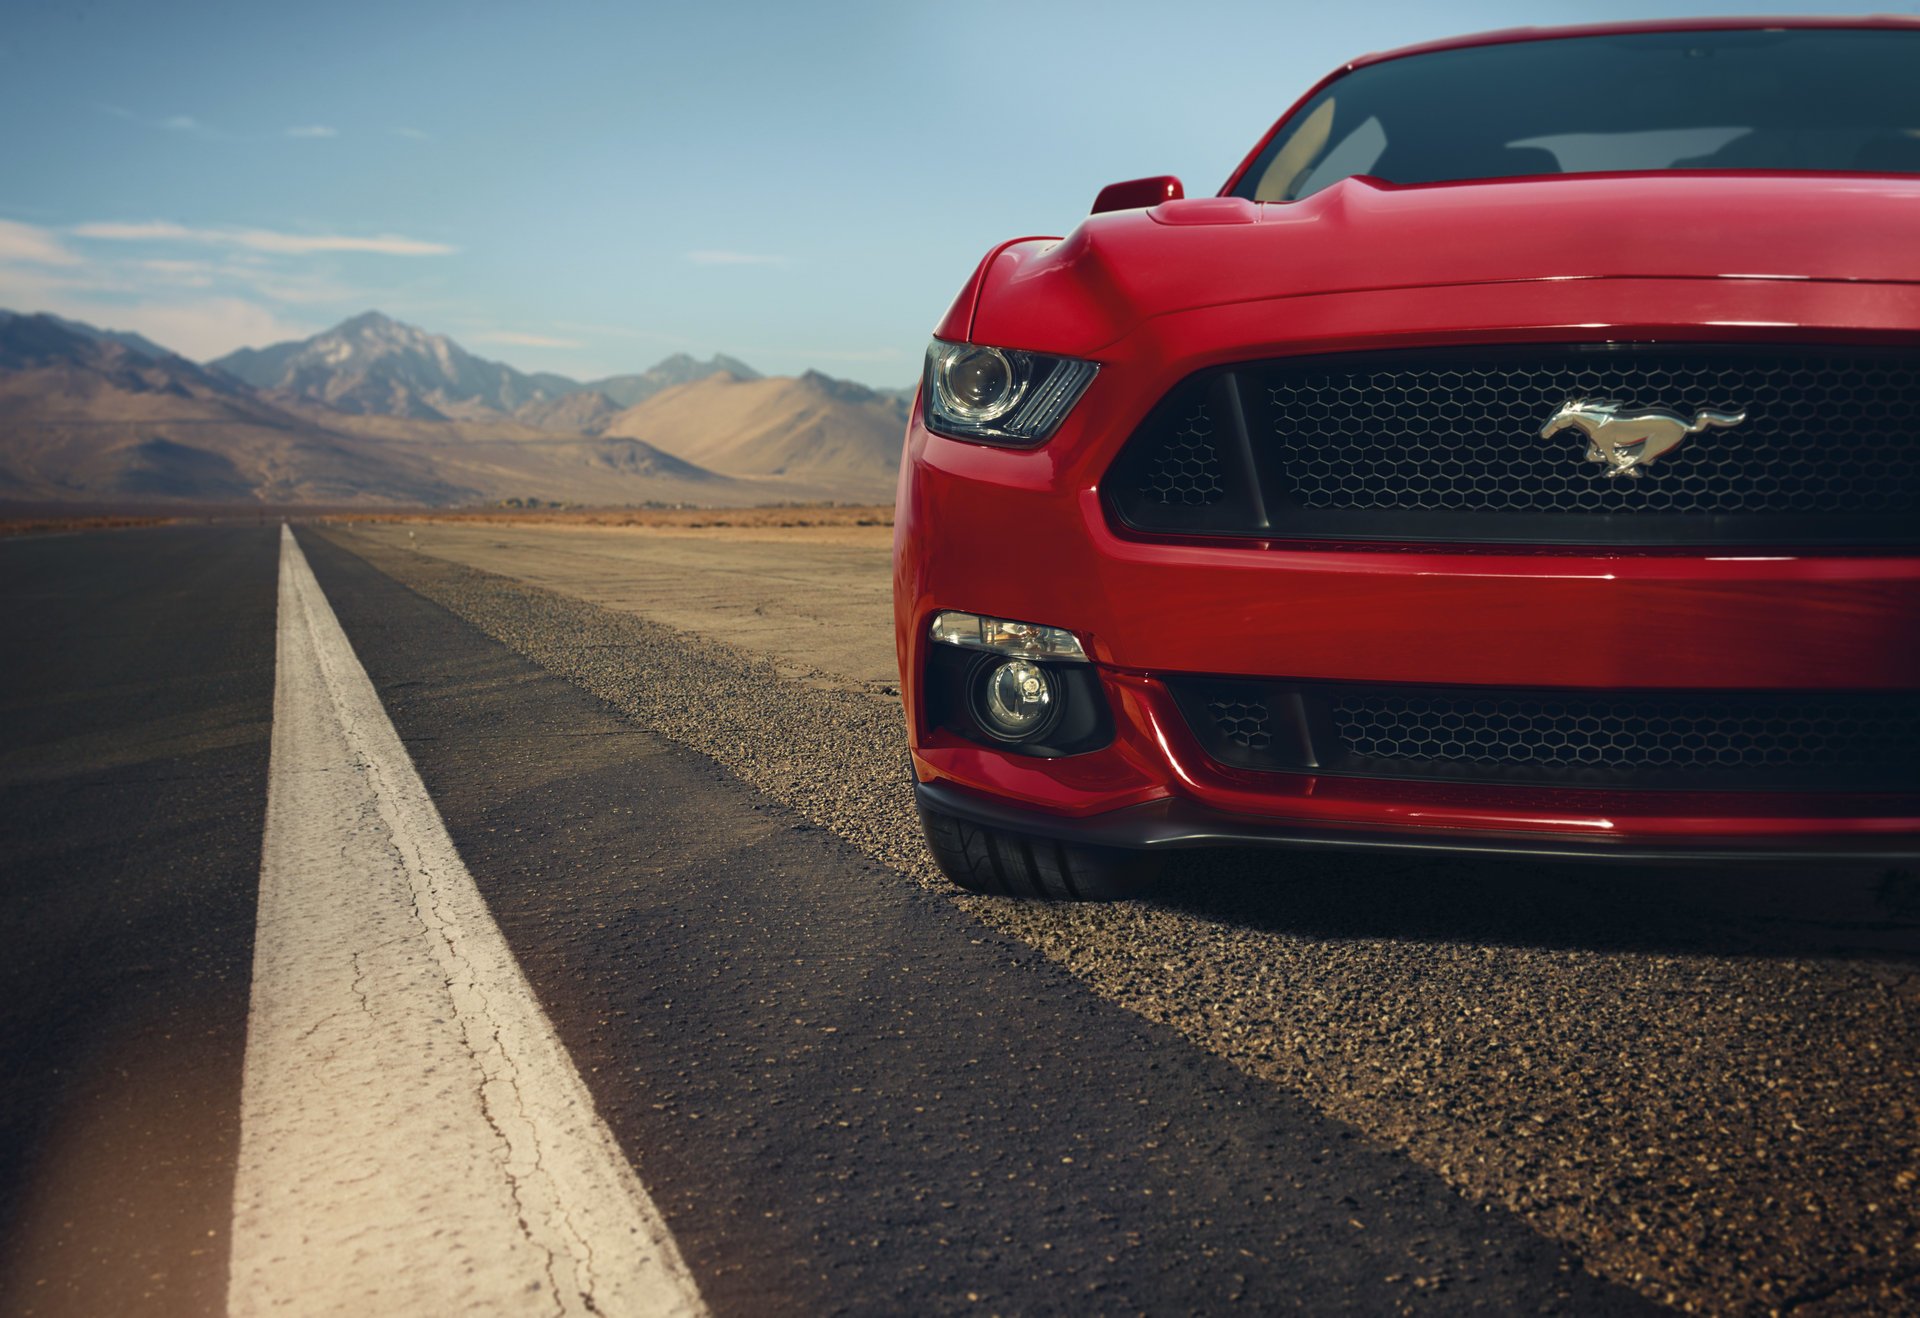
(378, 922)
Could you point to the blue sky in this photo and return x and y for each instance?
(587, 187)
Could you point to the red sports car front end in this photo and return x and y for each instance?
(1487, 500)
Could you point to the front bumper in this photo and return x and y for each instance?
(1148, 612)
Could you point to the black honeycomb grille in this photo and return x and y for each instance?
(1446, 445)
(1712, 741)
(1245, 722)
(1823, 434)
(1185, 469)
(1624, 734)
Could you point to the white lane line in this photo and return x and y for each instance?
(413, 1136)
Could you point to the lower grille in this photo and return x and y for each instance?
(1446, 445)
(1720, 741)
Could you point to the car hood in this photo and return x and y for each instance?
(1081, 292)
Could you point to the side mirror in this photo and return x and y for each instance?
(1138, 192)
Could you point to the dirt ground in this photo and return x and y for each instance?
(812, 592)
(816, 516)
(50, 524)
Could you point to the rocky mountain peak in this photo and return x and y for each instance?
(374, 364)
(365, 322)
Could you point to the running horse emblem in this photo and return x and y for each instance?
(1629, 441)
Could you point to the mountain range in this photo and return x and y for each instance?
(377, 411)
(374, 365)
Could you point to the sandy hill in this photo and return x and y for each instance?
(504, 460)
(810, 427)
(627, 390)
(584, 413)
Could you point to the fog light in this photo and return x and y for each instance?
(1015, 700)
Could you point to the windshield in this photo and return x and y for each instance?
(1808, 99)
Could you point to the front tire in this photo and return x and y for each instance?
(1002, 863)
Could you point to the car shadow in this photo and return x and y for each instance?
(1865, 913)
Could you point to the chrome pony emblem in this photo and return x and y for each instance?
(1630, 441)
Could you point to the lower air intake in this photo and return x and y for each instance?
(1719, 742)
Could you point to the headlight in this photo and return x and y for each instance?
(1000, 396)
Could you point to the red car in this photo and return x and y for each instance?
(1520, 454)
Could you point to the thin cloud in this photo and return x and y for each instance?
(520, 340)
(859, 355)
(708, 256)
(173, 123)
(185, 124)
(36, 288)
(621, 331)
(874, 356)
(201, 329)
(260, 240)
(32, 245)
(182, 274)
(411, 134)
(197, 327)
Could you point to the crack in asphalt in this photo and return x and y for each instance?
(505, 1115)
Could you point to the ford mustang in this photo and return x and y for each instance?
(1519, 454)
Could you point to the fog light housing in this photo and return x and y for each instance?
(1020, 687)
(1015, 699)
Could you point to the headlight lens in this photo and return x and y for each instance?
(977, 385)
(1000, 396)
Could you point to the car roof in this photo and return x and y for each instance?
(1507, 36)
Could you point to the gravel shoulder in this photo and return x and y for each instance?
(1704, 1085)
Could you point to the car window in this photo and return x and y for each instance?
(1357, 153)
(1652, 148)
(1844, 100)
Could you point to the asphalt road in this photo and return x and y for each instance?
(136, 697)
(846, 1091)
